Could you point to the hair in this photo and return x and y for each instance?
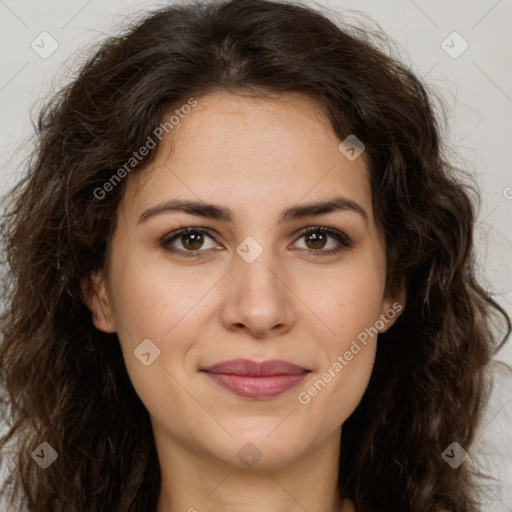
(65, 382)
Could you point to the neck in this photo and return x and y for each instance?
(194, 483)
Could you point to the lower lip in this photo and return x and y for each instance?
(257, 387)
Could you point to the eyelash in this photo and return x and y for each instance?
(344, 240)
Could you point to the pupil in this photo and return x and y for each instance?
(318, 240)
(194, 245)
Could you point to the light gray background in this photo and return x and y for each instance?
(476, 86)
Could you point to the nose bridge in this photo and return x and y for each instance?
(257, 297)
(257, 268)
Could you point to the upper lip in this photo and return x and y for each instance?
(253, 368)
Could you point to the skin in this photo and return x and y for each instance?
(256, 157)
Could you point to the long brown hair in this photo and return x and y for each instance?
(65, 383)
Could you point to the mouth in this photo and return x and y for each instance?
(251, 379)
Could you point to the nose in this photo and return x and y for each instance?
(257, 298)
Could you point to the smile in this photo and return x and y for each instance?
(256, 380)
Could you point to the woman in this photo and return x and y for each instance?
(241, 278)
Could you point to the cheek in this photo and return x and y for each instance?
(347, 301)
(349, 305)
(153, 301)
(336, 390)
(152, 297)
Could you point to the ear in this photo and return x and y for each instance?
(393, 304)
(94, 295)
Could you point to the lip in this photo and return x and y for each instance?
(251, 379)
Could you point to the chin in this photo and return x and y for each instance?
(246, 451)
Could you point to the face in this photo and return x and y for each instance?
(249, 280)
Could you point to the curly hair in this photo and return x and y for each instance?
(65, 382)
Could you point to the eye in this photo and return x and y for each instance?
(316, 239)
(190, 239)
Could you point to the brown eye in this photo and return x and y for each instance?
(187, 241)
(316, 240)
(192, 241)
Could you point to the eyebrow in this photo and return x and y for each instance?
(217, 212)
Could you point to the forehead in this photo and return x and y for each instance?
(255, 126)
(254, 152)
